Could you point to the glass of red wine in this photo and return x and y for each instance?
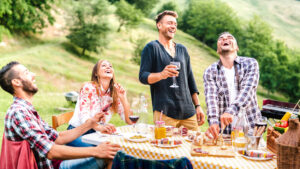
(134, 118)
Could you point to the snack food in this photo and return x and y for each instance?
(165, 141)
(137, 137)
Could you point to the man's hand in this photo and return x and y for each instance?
(213, 130)
(107, 150)
(226, 119)
(200, 116)
(169, 71)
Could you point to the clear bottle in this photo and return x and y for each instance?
(241, 128)
(143, 112)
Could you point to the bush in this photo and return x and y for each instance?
(139, 45)
(90, 26)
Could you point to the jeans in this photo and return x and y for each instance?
(78, 142)
(83, 163)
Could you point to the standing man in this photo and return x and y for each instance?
(22, 122)
(230, 85)
(180, 106)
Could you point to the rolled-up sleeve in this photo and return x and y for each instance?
(146, 64)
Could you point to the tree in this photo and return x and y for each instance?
(144, 5)
(127, 14)
(170, 6)
(90, 26)
(205, 20)
(25, 15)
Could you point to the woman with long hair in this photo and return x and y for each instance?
(101, 95)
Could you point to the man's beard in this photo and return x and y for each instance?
(28, 87)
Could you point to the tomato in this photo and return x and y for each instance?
(277, 124)
(284, 123)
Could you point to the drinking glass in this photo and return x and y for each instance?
(177, 64)
(134, 118)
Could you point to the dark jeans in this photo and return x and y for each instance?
(78, 142)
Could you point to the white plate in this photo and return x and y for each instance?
(127, 137)
(187, 139)
(257, 158)
(166, 145)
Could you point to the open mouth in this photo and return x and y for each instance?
(108, 71)
(225, 44)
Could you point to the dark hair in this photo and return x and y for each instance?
(95, 80)
(7, 74)
(164, 13)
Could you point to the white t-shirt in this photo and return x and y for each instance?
(230, 79)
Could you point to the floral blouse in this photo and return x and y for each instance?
(90, 102)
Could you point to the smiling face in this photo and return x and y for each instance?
(105, 70)
(26, 79)
(227, 43)
(167, 26)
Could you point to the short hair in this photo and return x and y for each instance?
(164, 13)
(7, 74)
(223, 33)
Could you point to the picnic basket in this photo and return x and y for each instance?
(272, 135)
(288, 147)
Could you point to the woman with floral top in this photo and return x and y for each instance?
(101, 95)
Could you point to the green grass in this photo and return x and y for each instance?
(58, 70)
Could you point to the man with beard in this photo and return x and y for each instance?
(230, 86)
(22, 122)
(180, 105)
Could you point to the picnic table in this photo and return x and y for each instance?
(148, 151)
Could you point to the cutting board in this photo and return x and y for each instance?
(215, 151)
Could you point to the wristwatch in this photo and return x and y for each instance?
(197, 105)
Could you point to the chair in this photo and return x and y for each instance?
(61, 119)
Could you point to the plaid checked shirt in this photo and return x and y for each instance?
(217, 94)
(22, 122)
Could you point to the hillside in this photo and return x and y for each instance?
(283, 16)
(59, 70)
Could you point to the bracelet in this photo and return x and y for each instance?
(197, 105)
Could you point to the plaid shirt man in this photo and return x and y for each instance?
(217, 94)
(22, 122)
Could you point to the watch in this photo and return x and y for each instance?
(197, 105)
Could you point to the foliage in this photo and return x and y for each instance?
(144, 5)
(170, 6)
(139, 45)
(90, 26)
(24, 15)
(3, 31)
(127, 14)
(205, 20)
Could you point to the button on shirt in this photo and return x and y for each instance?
(22, 122)
(217, 94)
(175, 102)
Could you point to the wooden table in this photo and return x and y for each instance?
(148, 151)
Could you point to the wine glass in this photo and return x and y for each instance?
(177, 64)
(106, 104)
(134, 118)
